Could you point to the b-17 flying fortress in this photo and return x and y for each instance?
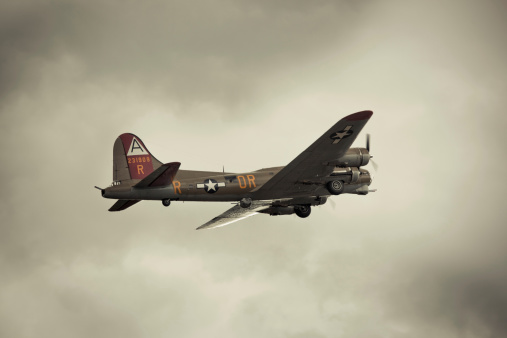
(327, 167)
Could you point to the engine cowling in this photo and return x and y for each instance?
(354, 157)
(351, 175)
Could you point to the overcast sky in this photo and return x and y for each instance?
(247, 85)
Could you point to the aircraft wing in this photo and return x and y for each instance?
(234, 214)
(316, 161)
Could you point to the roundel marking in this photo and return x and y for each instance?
(210, 186)
(340, 135)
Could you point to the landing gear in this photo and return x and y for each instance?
(166, 202)
(303, 211)
(245, 202)
(335, 187)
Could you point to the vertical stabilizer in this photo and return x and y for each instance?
(131, 159)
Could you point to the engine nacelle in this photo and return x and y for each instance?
(354, 157)
(351, 175)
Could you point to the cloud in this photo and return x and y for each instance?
(192, 52)
(250, 85)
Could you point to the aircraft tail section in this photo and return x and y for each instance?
(161, 177)
(131, 159)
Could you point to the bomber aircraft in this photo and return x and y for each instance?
(328, 167)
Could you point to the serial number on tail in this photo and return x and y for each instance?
(138, 159)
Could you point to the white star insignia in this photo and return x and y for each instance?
(211, 185)
(339, 135)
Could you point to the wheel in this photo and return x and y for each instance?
(166, 202)
(303, 211)
(335, 187)
(245, 202)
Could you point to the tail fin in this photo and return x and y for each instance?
(131, 159)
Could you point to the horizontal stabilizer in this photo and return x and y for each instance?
(161, 177)
(122, 205)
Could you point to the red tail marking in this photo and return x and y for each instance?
(139, 159)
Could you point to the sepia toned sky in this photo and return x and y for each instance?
(247, 85)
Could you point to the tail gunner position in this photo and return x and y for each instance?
(328, 167)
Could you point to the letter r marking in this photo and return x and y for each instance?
(177, 187)
(251, 181)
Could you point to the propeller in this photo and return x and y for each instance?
(373, 163)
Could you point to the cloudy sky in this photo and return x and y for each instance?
(250, 84)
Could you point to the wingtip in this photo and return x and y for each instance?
(362, 115)
(204, 227)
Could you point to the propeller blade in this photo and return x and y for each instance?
(333, 203)
(368, 142)
(374, 164)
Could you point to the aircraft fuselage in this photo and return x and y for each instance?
(189, 185)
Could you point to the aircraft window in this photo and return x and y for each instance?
(231, 179)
